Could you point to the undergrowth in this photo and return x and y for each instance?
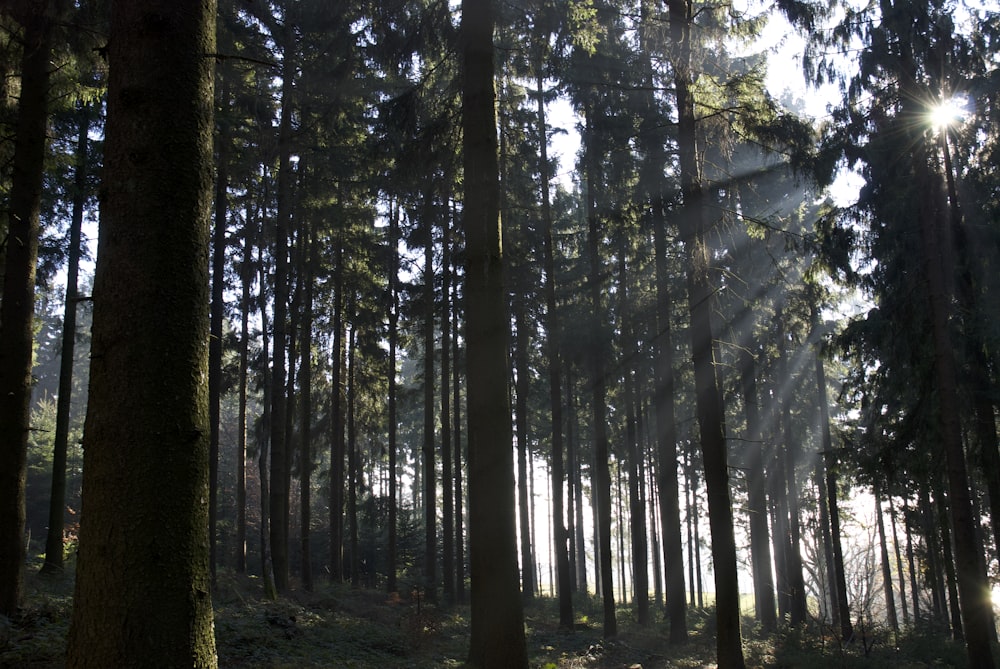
(338, 626)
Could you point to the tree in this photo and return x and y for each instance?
(711, 414)
(57, 504)
(17, 308)
(143, 537)
(497, 635)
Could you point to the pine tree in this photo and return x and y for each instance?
(143, 537)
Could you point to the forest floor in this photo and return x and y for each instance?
(338, 626)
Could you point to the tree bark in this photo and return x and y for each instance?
(216, 315)
(309, 261)
(279, 500)
(497, 634)
(57, 502)
(890, 602)
(18, 305)
(427, 449)
(711, 414)
(760, 542)
(447, 483)
(841, 607)
(393, 271)
(601, 477)
(337, 446)
(246, 276)
(142, 595)
(564, 587)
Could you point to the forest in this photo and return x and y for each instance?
(499, 333)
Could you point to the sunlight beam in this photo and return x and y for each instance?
(948, 112)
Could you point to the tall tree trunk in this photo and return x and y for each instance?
(760, 542)
(18, 302)
(279, 402)
(447, 482)
(935, 569)
(637, 512)
(951, 575)
(457, 422)
(796, 583)
(353, 470)
(497, 634)
(266, 566)
(890, 601)
(601, 487)
(246, 274)
(338, 447)
(521, 435)
(841, 608)
(429, 464)
(143, 585)
(57, 501)
(711, 415)
(216, 316)
(914, 591)
(826, 537)
(561, 537)
(393, 270)
(576, 472)
(309, 260)
(899, 563)
(666, 437)
(977, 609)
(666, 428)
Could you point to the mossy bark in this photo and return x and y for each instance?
(142, 588)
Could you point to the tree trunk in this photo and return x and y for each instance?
(393, 271)
(977, 609)
(497, 629)
(552, 330)
(429, 467)
(338, 447)
(951, 576)
(708, 401)
(309, 260)
(826, 537)
(899, 563)
(935, 569)
(637, 512)
(457, 422)
(57, 502)
(216, 315)
(576, 467)
(760, 542)
(910, 562)
(796, 583)
(352, 455)
(666, 439)
(246, 274)
(841, 608)
(447, 482)
(521, 435)
(142, 595)
(279, 504)
(601, 477)
(18, 302)
(890, 602)
(266, 567)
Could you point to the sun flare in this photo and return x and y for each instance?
(948, 112)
